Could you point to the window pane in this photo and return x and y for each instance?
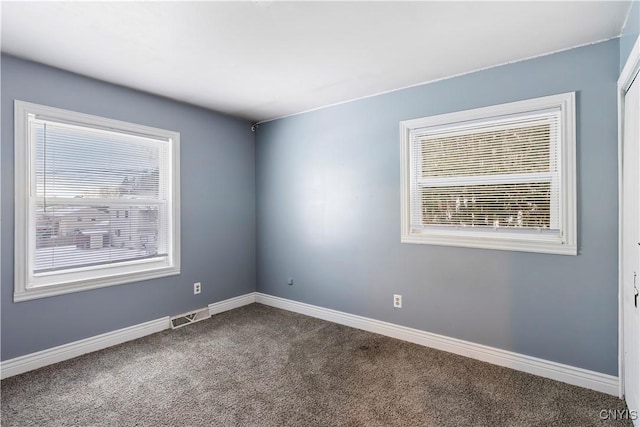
(70, 236)
(522, 149)
(89, 163)
(524, 205)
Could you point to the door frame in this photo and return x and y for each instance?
(631, 68)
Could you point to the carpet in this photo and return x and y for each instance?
(260, 366)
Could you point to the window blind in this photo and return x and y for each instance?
(491, 174)
(98, 196)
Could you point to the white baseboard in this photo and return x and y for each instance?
(533, 365)
(63, 352)
(29, 362)
(544, 368)
(231, 303)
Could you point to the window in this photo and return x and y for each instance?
(74, 173)
(500, 177)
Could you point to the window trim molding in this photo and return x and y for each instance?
(23, 290)
(525, 242)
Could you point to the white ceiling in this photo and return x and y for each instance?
(261, 60)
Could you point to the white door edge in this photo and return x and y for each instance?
(627, 77)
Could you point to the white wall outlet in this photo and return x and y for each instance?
(397, 301)
(197, 287)
(290, 282)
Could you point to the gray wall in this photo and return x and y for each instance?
(218, 212)
(630, 33)
(329, 217)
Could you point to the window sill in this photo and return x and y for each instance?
(36, 292)
(549, 245)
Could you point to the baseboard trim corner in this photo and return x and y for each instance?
(231, 303)
(39, 359)
(556, 371)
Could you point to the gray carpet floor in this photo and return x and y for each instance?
(260, 366)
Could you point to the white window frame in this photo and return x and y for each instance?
(563, 243)
(28, 286)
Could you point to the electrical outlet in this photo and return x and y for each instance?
(397, 301)
(290, 282)
(196, 288)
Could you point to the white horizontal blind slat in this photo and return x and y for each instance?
(97, 196)
(511, 178)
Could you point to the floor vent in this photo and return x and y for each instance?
(188, 318)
